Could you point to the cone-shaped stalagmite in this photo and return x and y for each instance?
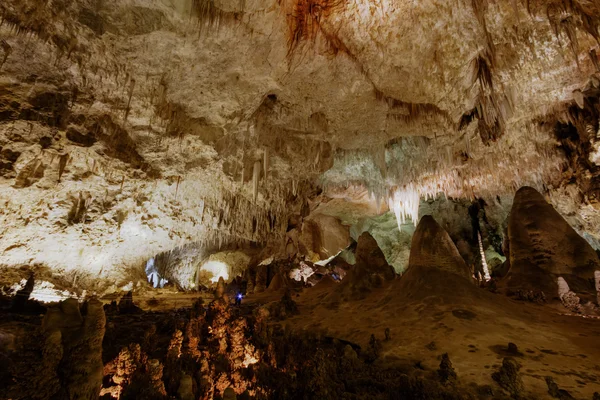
(369, 255)
(543, 246)
(435, 267)
(370, 271)
(432, 247)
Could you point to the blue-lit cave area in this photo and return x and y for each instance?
(299, 199)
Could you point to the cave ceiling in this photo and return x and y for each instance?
(131, 127)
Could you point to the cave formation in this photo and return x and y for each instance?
(299, 199)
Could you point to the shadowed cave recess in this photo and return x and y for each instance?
(299, 199)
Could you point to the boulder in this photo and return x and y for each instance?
(323, 236)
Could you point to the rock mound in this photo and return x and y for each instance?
(543, 246)
(436, 268)
(432, 247)
(370, 271)
(370, 256)
(277, 283)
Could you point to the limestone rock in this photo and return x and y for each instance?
(220, 289)
(432, 247)
(446, 370)
(185, 390)
(509, 378)
(370, 271)
(569, 299)
(277, 283)
(22, 296)
(543, 245)
(370, 256)
(126, 305)
(81, 365)
(597, 284)
(229, 394)
(260, 283)
(323, 235)
(555, 391)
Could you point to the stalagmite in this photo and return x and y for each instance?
(486, 271)
(569, 299)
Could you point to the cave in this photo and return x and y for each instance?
(299, 199)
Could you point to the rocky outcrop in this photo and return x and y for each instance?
(261, 276)
(436, 268)
(74, 341)
(370, 256)
(509, 377)
(277, 283)
(543, 246)
(126, 304)
(370, 271)
(323, 236)
(432, 247)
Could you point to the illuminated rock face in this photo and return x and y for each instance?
(130, 128)
(323, 236)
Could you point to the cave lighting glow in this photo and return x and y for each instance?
(218, 269)
(326, 261)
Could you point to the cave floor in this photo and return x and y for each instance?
(475, 332)
(473, 329)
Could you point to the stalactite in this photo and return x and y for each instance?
(266, 162)
(177, 186)
(255, 179)
(405, 203)
(62, 164)
(130, 95)
(7, 51)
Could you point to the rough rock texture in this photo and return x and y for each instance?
(74, 348)
(509, 378)
(436, 270)
(370, 256)
(370, 270)
(431, 247)
(543, 246)
(324, 236)
(128, 128)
